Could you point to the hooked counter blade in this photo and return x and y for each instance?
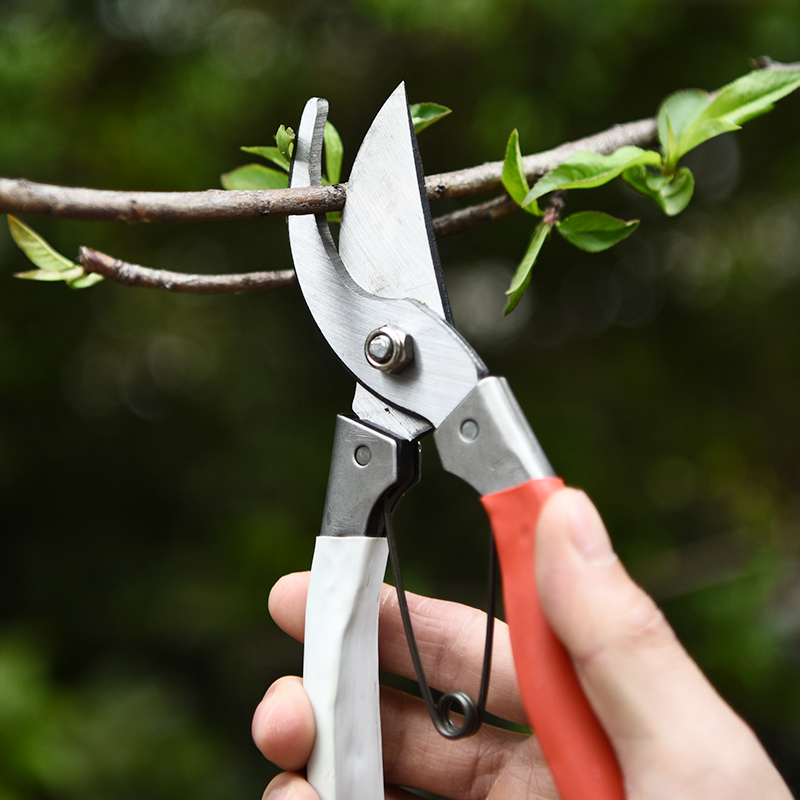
(386, 240)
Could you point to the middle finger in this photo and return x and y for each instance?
(416, 756)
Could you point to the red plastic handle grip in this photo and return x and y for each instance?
(580, 757)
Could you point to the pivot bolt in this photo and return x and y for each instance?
(389, 349)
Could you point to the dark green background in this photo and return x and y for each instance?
(163, 459)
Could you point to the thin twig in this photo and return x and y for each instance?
(464, 218)
(765, 62)
(145, 277)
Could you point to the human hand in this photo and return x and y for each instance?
(673, 734)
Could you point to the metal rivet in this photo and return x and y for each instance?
(362, 455)
(469, 430)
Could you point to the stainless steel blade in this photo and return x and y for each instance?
(371, 408)
(445, 368)
(386, 240)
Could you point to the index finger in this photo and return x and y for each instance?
(450, 638)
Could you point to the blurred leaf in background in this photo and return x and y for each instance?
(163, 459)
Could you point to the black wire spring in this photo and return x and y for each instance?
(458, 701)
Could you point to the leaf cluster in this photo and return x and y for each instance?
(686, 119)
(257, 176)
(50, 264)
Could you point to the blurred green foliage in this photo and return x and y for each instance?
(163, 459)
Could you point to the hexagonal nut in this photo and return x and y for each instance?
(389, 349)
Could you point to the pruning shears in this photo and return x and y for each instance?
(380, 302)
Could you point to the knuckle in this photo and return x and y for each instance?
(642, 624)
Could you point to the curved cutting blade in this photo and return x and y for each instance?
(386, 240)
(444, 368)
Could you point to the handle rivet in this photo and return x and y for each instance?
(389, 349)
(469, 430)
(362, 455)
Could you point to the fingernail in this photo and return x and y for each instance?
(589, 533)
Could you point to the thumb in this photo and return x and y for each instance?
(663, 717)
(625, 653)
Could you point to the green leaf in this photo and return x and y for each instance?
(672, 140)
(514, 180)
(254, 176)
(671, 192)
(272, 154)
(752, 95)
(678, 111)
(334, 150)
(522, 277)
(52, 266)
(677, 194)
(594, 231)
(49, 275)
(736, 103)
(425, 114)
(284, 138)
(84, 281)
(40, 253)
(702, 131)
(585, 170)
(670, 146)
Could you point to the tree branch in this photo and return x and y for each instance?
(147, 278)
(19, 196)
(136, 275)
(26, 197)
(22, 196)
(488, 177)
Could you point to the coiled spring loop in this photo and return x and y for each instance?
(456, 701)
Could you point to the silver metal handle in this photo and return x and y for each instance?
(487, 441)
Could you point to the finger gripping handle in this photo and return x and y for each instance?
(578, 752)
